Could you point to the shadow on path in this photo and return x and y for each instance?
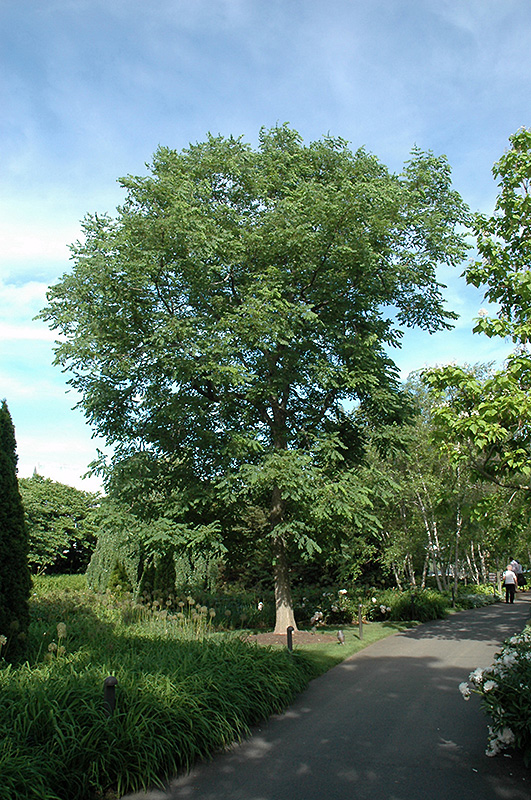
(387, 724)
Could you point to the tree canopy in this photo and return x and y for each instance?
(61, 534)
(229, 329)
(487, 416)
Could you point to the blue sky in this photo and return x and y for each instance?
(88, 89)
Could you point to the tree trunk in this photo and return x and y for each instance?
(483, 566)
(472, 569)
(283, 602)
(472, 565)
(396, 573)
(425, 571)
(411, 570)
(430, 526)
(458, 526)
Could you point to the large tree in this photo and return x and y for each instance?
(234, 317)
(15, 581)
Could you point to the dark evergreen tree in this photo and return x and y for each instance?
(15, 580)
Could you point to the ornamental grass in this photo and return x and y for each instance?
(184, 691)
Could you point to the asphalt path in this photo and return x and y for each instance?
(388, 723)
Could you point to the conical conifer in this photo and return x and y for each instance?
(15, 579)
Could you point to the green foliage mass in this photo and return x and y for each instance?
(184, 690)
(487, 418)
(15, 580)
(161, 555)
(229, 329)
(61, 534)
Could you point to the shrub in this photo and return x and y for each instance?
(475, 599)
(505, 690)
(333, 606)
(421, 605)
(61, 533)
(341, 607)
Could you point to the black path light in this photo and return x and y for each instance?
(109, 695)
(289, 634)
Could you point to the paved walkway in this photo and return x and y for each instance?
(387, 724)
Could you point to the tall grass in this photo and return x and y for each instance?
(183, 692)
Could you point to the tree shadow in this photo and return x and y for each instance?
(387, 728)
(387, 723)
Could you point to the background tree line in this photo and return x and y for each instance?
(432, 522)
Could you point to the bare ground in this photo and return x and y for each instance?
(299, 637)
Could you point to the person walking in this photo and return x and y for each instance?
(509, 581)
(519, 572)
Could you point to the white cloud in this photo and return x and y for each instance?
(62, 455)
(25, 332)
(23, 240)
(32, 385)
(30, 294)
(59, 470)
(19, 304)
(474, 15)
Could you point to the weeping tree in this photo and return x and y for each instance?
(230, 323)
(15, 580)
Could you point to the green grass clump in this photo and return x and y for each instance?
(422, 605)
(326, 652)
(183, 692)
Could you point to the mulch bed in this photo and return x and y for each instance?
(299, 637)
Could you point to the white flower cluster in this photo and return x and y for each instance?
(476, 677)
(317, 617)
(464, 688)
(498, 740)
(516, 651)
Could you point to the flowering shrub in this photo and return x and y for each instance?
(327, 607)
(505, 691)
(420, 604)
(476, 596)
(376, 609)
(340, 606)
